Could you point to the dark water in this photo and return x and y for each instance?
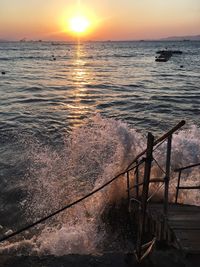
(72, 116)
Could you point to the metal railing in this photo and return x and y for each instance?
(140, 159)
(144, 198)
(180, 170)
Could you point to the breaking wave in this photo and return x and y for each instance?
(90, 156)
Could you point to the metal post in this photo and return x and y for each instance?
(142, 212)
(178, 184)
(137, 180)
(167, 176)
(128, 189)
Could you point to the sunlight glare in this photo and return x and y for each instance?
(79, 24)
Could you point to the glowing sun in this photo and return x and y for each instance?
(79, 24)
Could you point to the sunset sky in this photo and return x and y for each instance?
(106, 19)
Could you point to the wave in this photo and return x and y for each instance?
(25, 58)
(91, 155)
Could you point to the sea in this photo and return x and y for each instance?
(74, 115)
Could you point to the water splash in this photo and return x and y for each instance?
(185, 151)
(92, 154)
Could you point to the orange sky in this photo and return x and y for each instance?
(110, 19)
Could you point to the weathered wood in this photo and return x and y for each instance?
(182, 225)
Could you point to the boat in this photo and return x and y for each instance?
(165, 55)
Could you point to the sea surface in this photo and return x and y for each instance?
(73, 115)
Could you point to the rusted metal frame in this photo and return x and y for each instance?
(156, 180)
(167, 176)
(137, 180)
(189, 187)
(159, 140)
(128, 189)
(170, 132)
(142, 211)
(178, 186)
(187, 167)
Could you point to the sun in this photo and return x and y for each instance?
(79, 24)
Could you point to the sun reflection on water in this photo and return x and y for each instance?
(81, 76)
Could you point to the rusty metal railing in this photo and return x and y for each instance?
(180, 170)
(145, 198)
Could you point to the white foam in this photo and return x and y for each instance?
(91, 155)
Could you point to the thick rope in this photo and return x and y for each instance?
(62, 209)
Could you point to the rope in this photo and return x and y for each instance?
(159, 166)
(160, 144)
(62, 209)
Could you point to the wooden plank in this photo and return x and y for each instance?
(184, 225)
(183, 222)
(184, 217)
(174, 206)
(188, 234)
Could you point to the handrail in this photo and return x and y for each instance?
(186, 167)
(144, 199)
(179, 170)
(160, 139)
(190, 187)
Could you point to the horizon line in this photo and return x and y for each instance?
(168, 38)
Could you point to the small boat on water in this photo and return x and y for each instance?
(165, 55)
(171, 51)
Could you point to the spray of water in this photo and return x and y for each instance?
(92, 154)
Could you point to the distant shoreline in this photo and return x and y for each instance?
(186, 38)
(93, 41)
